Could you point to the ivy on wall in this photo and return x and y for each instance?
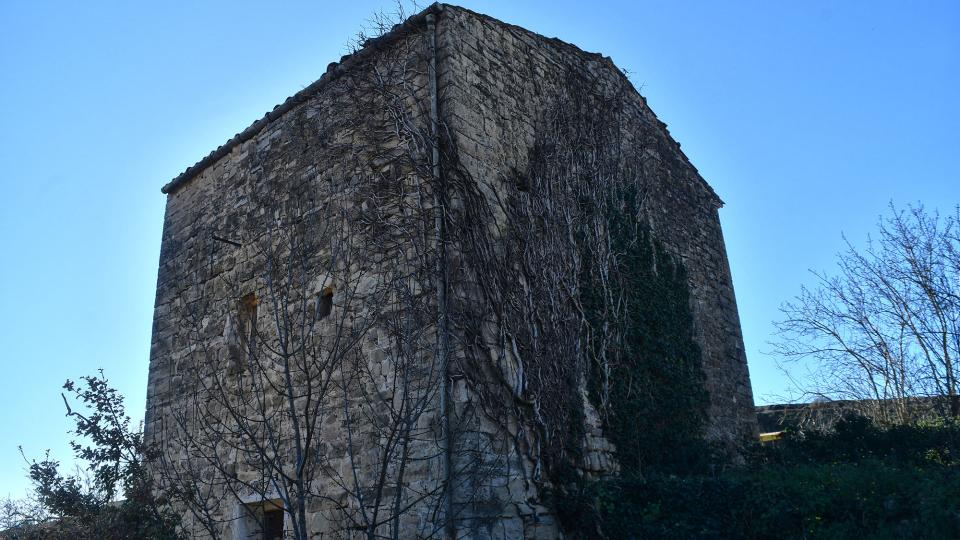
(572, 293)
(648, 383)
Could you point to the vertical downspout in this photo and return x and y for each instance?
(443, 340)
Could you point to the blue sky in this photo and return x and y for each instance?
(806, 117)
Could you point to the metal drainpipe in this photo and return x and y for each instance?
(439, 203)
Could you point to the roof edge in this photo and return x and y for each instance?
(337, 69)
(334, 71)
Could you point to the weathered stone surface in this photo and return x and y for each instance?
(493, 90)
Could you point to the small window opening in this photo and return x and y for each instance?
(264, 521)
(248, 320)
(520, 180)
(325, 303)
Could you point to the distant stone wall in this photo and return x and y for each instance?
(824, 414)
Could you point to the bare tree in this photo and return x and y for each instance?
(320, 396)
(886, 328)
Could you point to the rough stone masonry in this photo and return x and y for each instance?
(393, 305)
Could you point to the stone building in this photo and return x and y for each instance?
(421, 292)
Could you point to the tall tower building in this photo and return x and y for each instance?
(464, 269)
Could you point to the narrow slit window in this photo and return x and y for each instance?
(325, 303)
(248, 320)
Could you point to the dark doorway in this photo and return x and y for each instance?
(273, 523)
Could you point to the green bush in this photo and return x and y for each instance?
(113, 498)
(855, 439)
(855, 482)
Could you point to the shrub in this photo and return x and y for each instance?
(857, 481)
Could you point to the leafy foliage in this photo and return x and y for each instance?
(854, 439)
(857, 481)
(86, 505)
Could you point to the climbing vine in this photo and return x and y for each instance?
(583, 311)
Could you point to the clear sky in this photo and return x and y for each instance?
(806, 117)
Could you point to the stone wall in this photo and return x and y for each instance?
(331, 197)
(497, 82)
